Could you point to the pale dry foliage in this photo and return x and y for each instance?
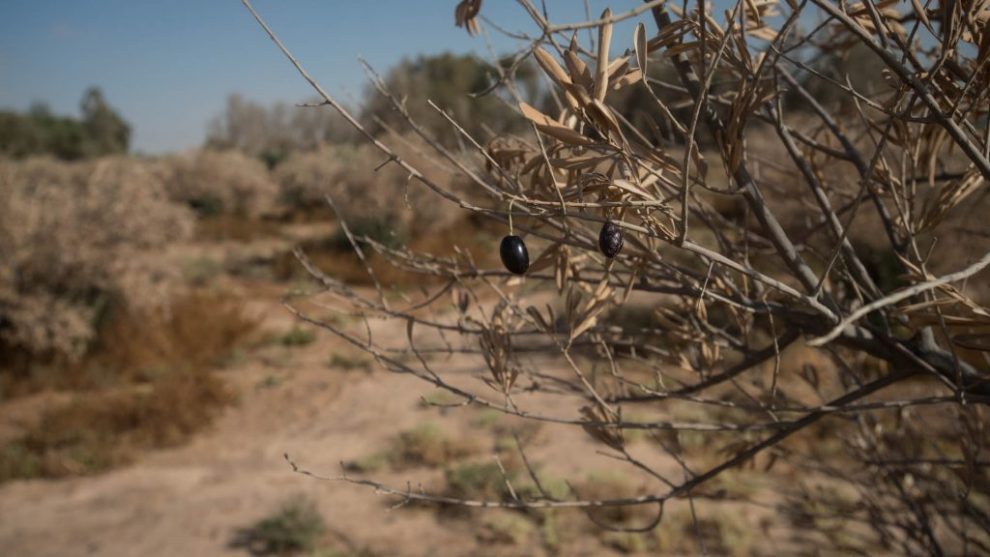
(361, 192)
(275, 130)
(219, 182)
(75, 237)
(876, 440)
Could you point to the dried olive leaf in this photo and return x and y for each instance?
(639, 45)
(601, 70)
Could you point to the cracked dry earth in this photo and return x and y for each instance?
(194, 499)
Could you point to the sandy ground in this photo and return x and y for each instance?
(193, 500)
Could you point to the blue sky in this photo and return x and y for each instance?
(168, 65)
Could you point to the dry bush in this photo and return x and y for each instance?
(194, 331)
(145, 384)
(272, 132)
(386, 195)
(96, 432)
(296, 526)
(219, 183)
(827, 243)
(75, 238)
(335, 256)
(426, 445)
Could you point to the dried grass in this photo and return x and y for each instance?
(196, 331)
(154, 389)
(339, 260)
(96, 432)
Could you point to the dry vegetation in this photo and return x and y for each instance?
(103, 310)
(98, 299)
(804, 345)
(76, 238)
(101, 430)
(220, 183)
(363, 194)
(715, 387)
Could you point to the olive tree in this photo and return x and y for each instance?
(752, 226)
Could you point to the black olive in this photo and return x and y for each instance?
(515, 257)
(610, 239)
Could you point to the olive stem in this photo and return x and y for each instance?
(511, 233)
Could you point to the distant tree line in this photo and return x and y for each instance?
(462, 85)
(98, 131)
(459, 84)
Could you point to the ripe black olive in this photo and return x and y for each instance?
(515, 257)
(610, 239)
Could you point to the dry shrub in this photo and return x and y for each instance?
(722, 531)
(220, 182)
(171, 349)
(96, 432)
(833, 246)
(611, 484)
(347, 173)
(73, 237)
(197, 330)
(296, 526)
(481, 481)
(426, 445)
(338, 259)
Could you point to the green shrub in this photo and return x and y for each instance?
(480, 481)
(296, 526)
(349, 363)
(297, 337)
(424, 445)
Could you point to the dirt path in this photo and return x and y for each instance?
(193, 500)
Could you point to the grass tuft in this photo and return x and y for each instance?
(296, 526)
(297, 337)
(426, 445)
(349, 363)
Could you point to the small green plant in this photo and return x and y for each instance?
(296, 526)
(554, 487)
(507, 528)
(487, 417)
(550, 531)
(626, 542)
(369, 463)
(482, 481)
(440, 398)
(17, 460)
(348, 363)
(270, 382)
(723, 532)
(297, 337)
(202, 270)
(424, 445)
